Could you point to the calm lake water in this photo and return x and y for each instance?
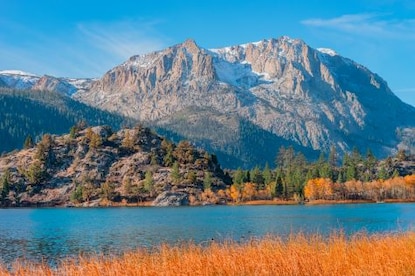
(53, 234)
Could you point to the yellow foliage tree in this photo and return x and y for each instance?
(249, 191)
(318, 188)
(208, 196)
(410, 180)
(234, 193)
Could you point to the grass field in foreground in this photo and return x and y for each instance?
(297, 255)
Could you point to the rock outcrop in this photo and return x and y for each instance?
(95, 166)
(176, 199)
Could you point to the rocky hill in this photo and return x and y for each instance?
(243, 102)
(96, 166)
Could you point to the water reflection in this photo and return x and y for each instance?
(53, 234)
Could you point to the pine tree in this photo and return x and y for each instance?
(28, 143)
(175, 173)
(168, 148)
(383, 174)
(5, 186)
(148, 181)
(36, 172)
(279, 187)
(239, 177)
(72, 132)
(154, 159)
(333, 157)
(256, 177)
(107, 190)
(351, 173)
(207, 181)
(266, 174)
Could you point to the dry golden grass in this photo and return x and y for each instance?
(297, 255)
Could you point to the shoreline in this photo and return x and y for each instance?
(264, 202)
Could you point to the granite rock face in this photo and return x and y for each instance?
(314, 98)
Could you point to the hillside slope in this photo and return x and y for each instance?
(34, 113)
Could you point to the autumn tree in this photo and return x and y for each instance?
(234, 193)
(249, 191)
(96, 141)
(319, 188)
(184, 152)
(410, 182)
(128, 141)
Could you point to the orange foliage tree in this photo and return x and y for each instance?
(234, 193)
(249, 191)
(318, 188)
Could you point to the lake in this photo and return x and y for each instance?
(51, 234)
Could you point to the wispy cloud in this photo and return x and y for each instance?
(122, 39)
(373, 25)
(86, 50)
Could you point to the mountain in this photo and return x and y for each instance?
(97, 166)
(243, 102)
(34, 113)
(311, 98)
(15, 79)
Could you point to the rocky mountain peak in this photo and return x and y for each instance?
(191, 46)
(281, 87)
(312, 97)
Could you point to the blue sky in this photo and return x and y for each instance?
(87, 38)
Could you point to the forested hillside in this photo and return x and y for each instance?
(33, 113)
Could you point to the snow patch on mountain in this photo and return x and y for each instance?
(236, 74)
(18, 79)
(16, 72)
(327, 51)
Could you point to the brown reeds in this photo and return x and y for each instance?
(296, 255)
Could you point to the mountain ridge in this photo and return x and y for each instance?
(313, 98)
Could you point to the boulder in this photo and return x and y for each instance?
(171, 199)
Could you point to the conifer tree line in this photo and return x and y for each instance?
(354, 176)
(26, 115)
